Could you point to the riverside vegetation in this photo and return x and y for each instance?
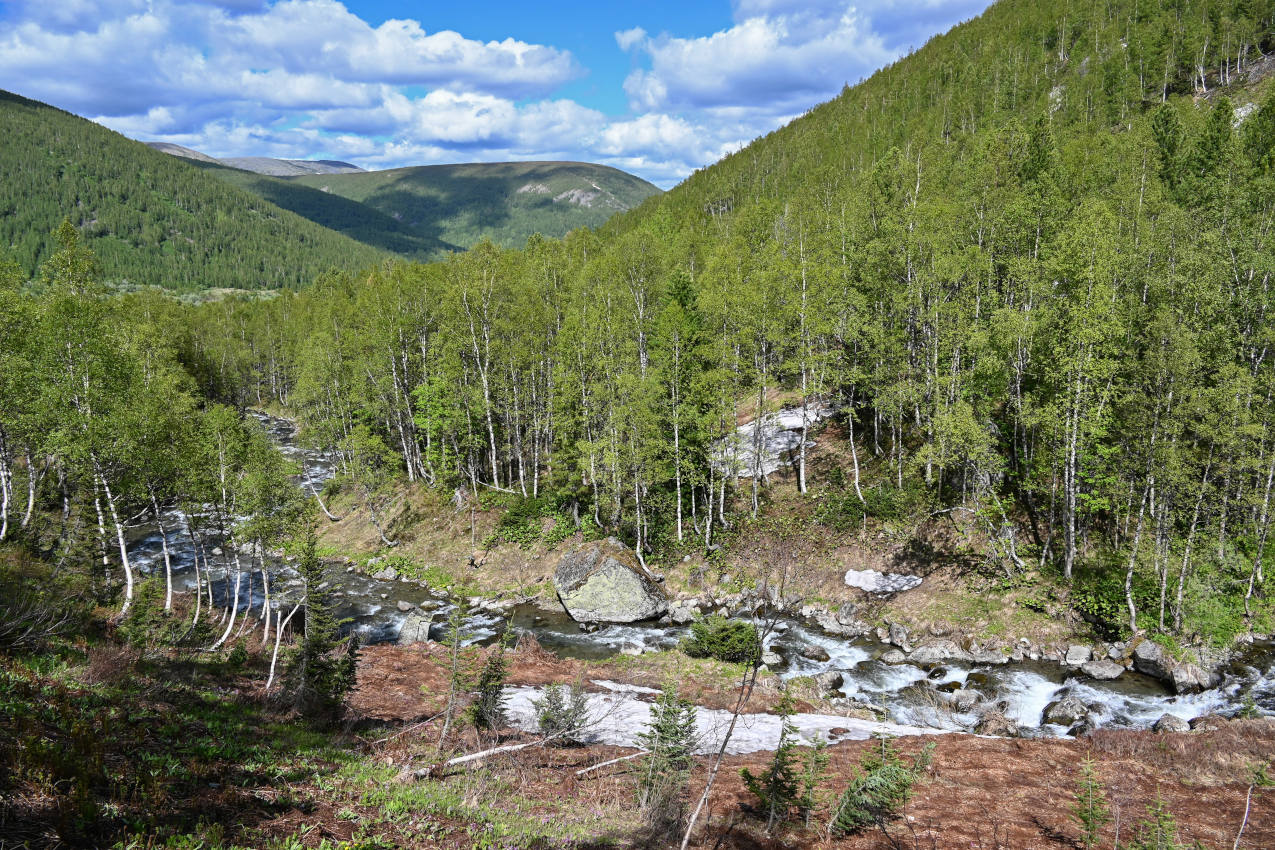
(1029, 265)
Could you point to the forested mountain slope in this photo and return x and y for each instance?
(151, 219)
(505, 202)
(1031, 263)
(358, 221)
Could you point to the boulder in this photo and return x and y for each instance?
(996, 723)
(603, 582)
(962, 700)
(830, 681)
(405, 606)
(1064, 712)
(1077, 654)
(772, 659)
(989, 656)
(893, 656)
(415, 628)
(898, 635)
(1170, 723)
(1104, 671)
(872, 581)
(1184, 678)
(814, 652)
(1152, 659)
(934, 651)
(1190, 679)
(387, 574)
(860, 709)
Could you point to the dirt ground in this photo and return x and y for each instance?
(978, 792)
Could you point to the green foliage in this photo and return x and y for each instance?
(666, 769)
(1090, 810)
(562, 710)
(879, 789)
(322, 669)
(715, 636)
(151, 218)
(1158, 830)
(781, 788)
(147, 625)
(488, 708)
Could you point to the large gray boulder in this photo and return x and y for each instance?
(1064, 712)
(415, 628)
(1185, 678)
(603, 582)
(1102, 670)
(934, 651)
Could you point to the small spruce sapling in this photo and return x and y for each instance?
(562, 710)
(879, 789)
(1159, 830)
(488, 710)
(666, 770)
(778, 787)
(1090, 809)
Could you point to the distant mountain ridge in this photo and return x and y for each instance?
(261, 164)
(422, 211)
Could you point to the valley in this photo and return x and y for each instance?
(903, 479)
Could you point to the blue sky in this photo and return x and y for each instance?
(658, 88)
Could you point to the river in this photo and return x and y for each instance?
(909, 694)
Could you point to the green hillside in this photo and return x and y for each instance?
(1030, 263)
(151, 218)
(505, 202)
(360, 222)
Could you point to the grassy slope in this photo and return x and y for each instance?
(462, 204)
(150, 217)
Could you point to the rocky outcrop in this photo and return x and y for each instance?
(932, 652)
(603, 582)
(1155, 661)
(415, 628)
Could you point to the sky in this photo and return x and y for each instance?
(657, 88)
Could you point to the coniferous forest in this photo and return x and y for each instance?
(1016, 290)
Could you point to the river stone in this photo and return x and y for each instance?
(873, 581)
(1170, 723)
(1151, 658)
(814, 652)
(893, 656)
(1077, 654)
(934, 651)
(1064, 712)
(603, 582)
(415, 628)
(772, 659)
(405, 606)
(387, 574)
(996, 723)
(1190, 679)
(1104, 671)
(989, 656)
(962, 699)
(830, 681)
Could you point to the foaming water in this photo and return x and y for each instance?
(909, 694)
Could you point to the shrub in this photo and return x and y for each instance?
(1090, 810)
(879, 789)
(717, 637)
(488, 710)
(147, 625)
(666, 769)
(323, 668)
(562, 710)
(34, 612)
(778, 788)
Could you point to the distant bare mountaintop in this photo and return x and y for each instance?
(263, 164)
